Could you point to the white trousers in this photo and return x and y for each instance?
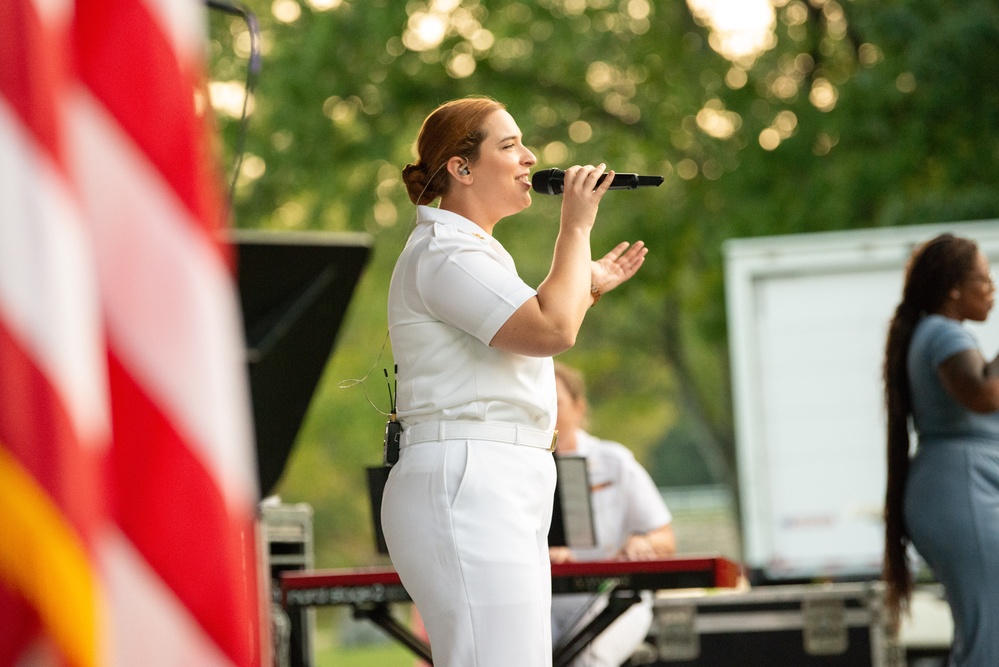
(466, 524)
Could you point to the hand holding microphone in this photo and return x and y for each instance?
(552, 181)
(583, 187)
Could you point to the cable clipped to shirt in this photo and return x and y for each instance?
(393, 428)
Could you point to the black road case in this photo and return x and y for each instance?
(833, 625)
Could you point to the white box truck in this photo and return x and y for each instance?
(807, 320)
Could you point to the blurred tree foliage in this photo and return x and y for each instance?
(855, 114)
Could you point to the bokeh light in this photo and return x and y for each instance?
(740, 29)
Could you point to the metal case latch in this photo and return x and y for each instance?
(677, 637)
(824, 629)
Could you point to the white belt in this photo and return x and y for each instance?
(514, 434)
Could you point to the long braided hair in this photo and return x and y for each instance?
(934, 269)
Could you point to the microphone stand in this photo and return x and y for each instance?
(252, 70)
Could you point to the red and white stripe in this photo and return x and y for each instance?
(148, 342)
(54, 423)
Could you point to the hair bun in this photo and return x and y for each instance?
(412, 168)
(416, 180)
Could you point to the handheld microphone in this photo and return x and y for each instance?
(550, 181)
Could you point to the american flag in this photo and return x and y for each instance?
(127, 486)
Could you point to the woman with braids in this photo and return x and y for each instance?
(946, 499)
(467, 507)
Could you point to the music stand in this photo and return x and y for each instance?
(294, 288)
(572, 513)
(377, 476)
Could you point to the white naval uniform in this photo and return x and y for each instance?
(625, 501)
(466, 511)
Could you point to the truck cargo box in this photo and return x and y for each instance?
(807, 321)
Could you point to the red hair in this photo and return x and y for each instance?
(454, 129)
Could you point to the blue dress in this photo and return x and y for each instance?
(952, 493)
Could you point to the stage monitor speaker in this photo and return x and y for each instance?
(294, 289)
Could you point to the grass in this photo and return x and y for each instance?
(340, 641)
(389, 655)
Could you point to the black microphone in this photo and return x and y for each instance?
(550, 181)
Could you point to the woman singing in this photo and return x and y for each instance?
(467, 508)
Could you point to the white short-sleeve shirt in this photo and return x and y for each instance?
(625, 498)
(452, 289)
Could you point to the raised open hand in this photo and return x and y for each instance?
(620, 264)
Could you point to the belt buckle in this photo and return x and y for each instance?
(551, 448)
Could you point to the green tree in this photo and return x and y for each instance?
(857, 114)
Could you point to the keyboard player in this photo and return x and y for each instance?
(631, 522)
